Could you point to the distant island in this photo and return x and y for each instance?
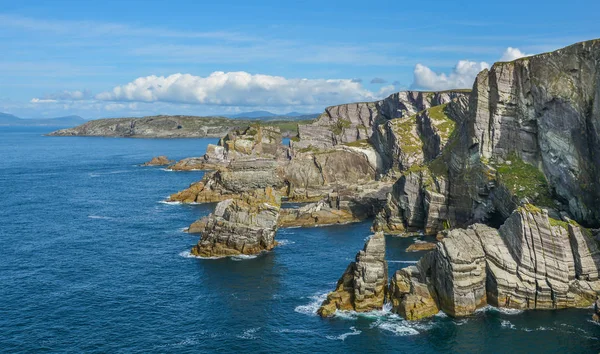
(179, 126)
(12, 120)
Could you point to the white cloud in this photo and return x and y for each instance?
(240, 89)
(462, 76)
(511, 54)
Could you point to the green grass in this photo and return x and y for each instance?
(524, 181)
(408, 139)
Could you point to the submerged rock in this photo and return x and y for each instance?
(363, 286)
(245, 225)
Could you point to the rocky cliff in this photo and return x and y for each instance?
(244, 225)
(363, 286)
(529, 263)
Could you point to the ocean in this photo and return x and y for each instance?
(92, 260)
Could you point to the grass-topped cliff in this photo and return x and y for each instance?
(172, 127)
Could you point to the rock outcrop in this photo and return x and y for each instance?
(159, 161)
(526, 264)
(340, 207)
(245, 225)
(363, 286)
(356, 121)
(253, 142)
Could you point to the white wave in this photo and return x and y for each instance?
(243, 257)
(343, 336)
(313, 306)
(407, 262)
(299, 331)
(100, 174)
(507, 324)
(502, 310)
(398, 328)
(170, 202)
(441, 314)
(249, 333)
(285, 242)
(100, 217)
(187, 254)
(183, 229)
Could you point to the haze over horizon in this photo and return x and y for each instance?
(145, 58)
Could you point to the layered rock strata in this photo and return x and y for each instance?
(363, 286)
(340, 207)
(253, 142)
(245, 225)
(529, 263)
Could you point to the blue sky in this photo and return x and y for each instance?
(132, 58)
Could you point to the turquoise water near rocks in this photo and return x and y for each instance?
(92, 261)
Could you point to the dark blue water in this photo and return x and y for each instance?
(91, 261)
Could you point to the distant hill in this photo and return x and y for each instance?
(12, 120)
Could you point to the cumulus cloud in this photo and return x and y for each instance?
(239, 89)
(511, 54)
(378, 80)
(462, 76)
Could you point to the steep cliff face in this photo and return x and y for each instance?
(363, 286)
(245, 225)
(546, 110)
(356, 121)
(531, 262)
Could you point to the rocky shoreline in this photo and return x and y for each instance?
(505, 175)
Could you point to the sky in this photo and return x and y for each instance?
(134, 58)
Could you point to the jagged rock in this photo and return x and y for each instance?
(245, 225)
(545, 109)
(363, 286)
(412, 297)
(253, 142)
(529, 263)
(159, 161)
(351, 122)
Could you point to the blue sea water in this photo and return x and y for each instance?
(92, 261)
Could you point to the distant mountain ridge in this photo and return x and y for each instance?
(12, 120)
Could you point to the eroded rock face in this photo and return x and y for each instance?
(529, 263)
(411, 294)
(245, 225)
(250, 143)
(546, 110)
(344, 206)
(363, 286)
(356, 121)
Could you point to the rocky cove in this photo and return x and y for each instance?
(505, 175)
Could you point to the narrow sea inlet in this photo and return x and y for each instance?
(93, 260)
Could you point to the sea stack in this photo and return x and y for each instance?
(363, 286)
(244, 225)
